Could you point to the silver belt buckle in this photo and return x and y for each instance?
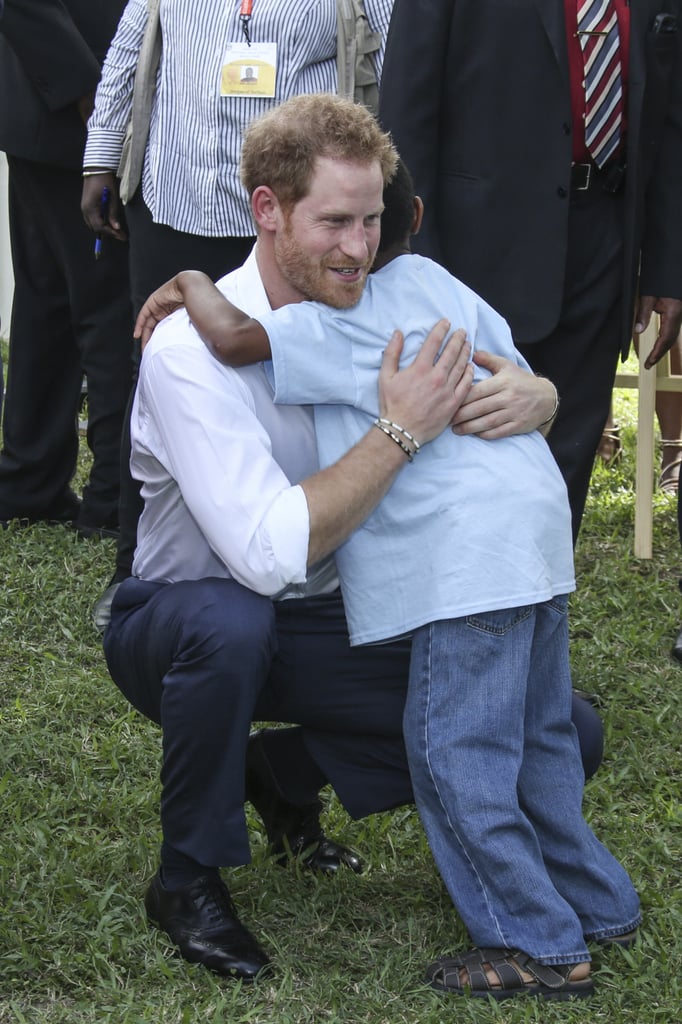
(588, 178)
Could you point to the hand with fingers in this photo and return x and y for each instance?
(670, 312)
(511, 401)
(425, 396)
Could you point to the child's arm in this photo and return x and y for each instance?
(233, 337)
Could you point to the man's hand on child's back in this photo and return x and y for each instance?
(511, 401)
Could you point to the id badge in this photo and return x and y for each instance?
(249, 70)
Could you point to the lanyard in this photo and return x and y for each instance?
(245, 17)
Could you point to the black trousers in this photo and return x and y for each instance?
(157, 253)
(71, 316)
(581, 354)
(204, 658)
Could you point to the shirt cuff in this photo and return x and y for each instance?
(103, 148)
(287, 524)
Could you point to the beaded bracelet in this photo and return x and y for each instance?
(401, 430)
(394, 437)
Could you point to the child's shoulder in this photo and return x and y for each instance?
(431, 277)
(412, 275)
(422, 268)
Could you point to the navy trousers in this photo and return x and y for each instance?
(205, 658)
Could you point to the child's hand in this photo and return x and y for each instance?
(164, 301)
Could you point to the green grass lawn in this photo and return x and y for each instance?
(79, 823)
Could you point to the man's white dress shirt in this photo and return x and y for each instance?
(220, 463)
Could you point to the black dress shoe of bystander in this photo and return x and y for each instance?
(201, 920)
(88, 526)
(64, 510)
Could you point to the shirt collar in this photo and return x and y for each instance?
(244, 287)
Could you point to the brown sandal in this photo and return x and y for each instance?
(610, 447)
(548, 981)
(669, 479)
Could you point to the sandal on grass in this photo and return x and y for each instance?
(610, 448)
(669, 479)
(503, 974)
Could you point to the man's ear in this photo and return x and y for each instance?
(418, 216)
(266, 209)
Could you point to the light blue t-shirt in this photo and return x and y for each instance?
(471, 525)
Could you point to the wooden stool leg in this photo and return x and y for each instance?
(644, 472)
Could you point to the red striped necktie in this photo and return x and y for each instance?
(600, 43)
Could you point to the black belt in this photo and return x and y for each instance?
(610, 178)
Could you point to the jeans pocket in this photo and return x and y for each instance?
(501, 621)
(559, 604)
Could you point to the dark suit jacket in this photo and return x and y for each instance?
(51, 53)
(476, 95)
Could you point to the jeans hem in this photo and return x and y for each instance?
(610, 933)
(579, 957)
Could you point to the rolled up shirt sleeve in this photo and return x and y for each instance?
(210, 478)
(281, 552)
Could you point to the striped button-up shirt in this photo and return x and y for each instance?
(190, 179)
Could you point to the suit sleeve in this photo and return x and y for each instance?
(52, 52)
(661, 258)
(415, 68)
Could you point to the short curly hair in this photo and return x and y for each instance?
(281, 147)
(398, 215)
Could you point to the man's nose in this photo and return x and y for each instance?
(355, 242)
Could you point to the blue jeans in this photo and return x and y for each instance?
(498, 782)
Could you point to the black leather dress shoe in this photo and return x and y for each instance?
(201, 920)
(87, 527)
(677, 648)
(293, 831)
(64, 511)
